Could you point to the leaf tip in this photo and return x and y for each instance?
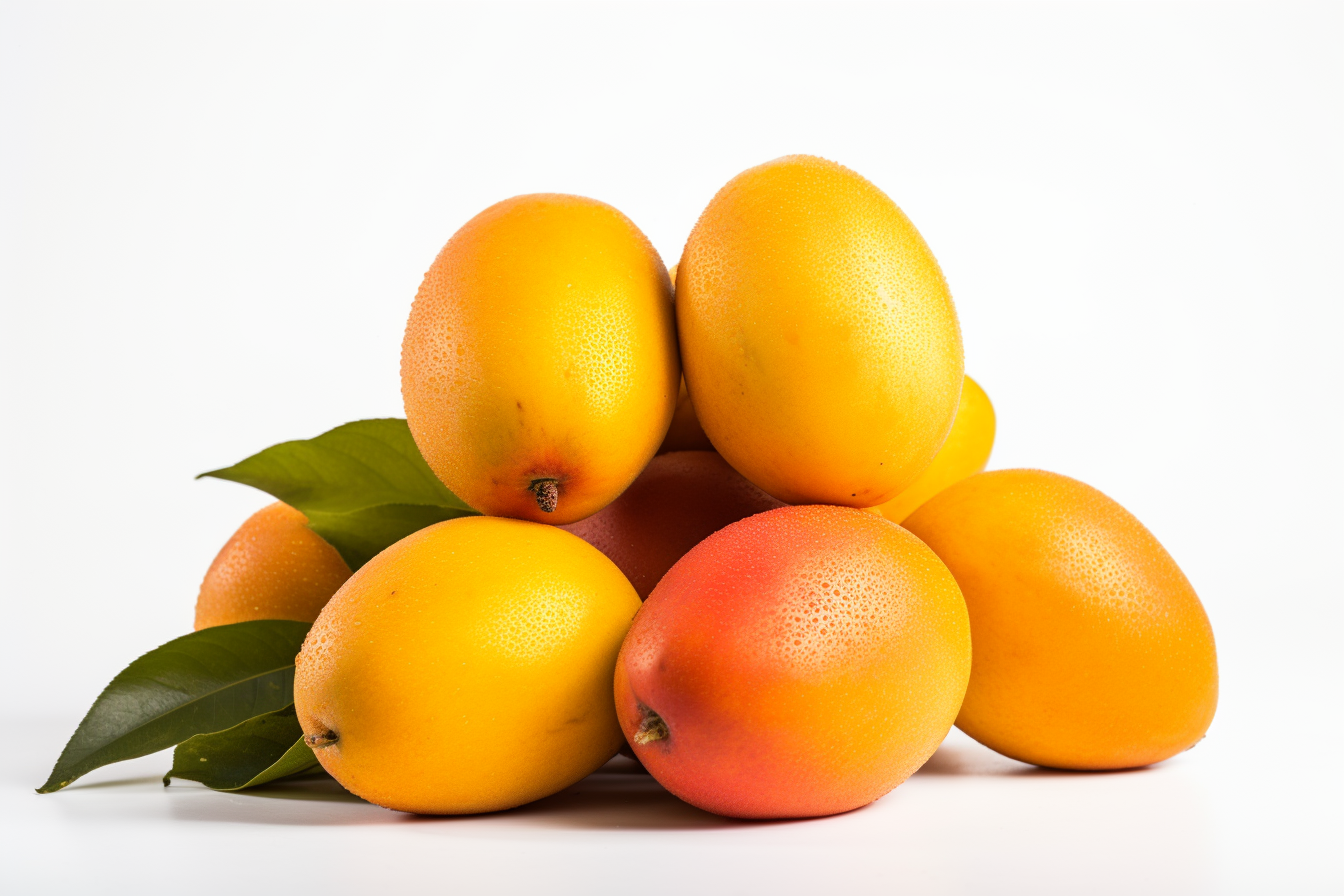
(53, 785)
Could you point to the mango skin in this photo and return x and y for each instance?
(964, 453)
(541, 345)
(1092, 650)
(468, 668)
(679, 500)
(273, 567)
(821, 347)
(685, 433)
(803, 662)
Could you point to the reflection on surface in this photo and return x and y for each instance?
(965, 823)
(964, 787)
(616, 798)
(959, 755)
(115, 782)
(316, 788)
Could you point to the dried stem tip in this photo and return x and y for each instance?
(318, 741)
(548, 494)
(652, 728)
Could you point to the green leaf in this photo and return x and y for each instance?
(363, 486)
(265, 748)
(361, 534)
(354, 466)
(200, 683)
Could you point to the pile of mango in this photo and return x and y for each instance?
(729, 520)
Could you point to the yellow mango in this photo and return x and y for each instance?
(539, 368)
(964, 454)
(467, 668)
(821, 347)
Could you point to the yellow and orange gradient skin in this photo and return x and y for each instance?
(1092, 651)
(467, 668)
(273, 567)
(541, 351)
(820, 343)
(964, 453)
(800, 662)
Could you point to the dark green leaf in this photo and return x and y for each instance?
(200, 683)
(363, 486)
(354, 466)
(361, 534)
(265, 748)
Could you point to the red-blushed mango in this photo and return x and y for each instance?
(677, 502)
(273, 567)
(539, 368)
(1092, 650)
(821, 348)
(964, 453)
(800, 662)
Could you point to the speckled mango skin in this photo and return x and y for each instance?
(273, 567)
(468, 668)
(964, 453)
(805, 661)
(820, 343)
(1092, 650)
(541, 345)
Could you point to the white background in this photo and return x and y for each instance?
(213, 219)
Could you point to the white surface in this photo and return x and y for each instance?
(213, 219)
(969, 822)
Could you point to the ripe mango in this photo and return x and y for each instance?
(539, 368)
(821, 347)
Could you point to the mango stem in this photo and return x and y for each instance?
(651, 728)
(547, 492)
(318, 741)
